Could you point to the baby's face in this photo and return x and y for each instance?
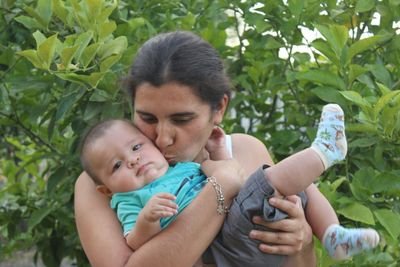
(124, 159)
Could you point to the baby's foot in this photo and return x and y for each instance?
(330, 143)
(216, 145)
(343, 243)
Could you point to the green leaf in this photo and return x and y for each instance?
(47, 49)
(355, 71)
(390, 221)
(365, 44)
(356, 98)
(357, 212)
(323, 47)
(28, 22)
(88, 54)
(38, 216)
(67, 54)
(296, 7)
(55, 178)
(114, 47)
(61, 11)
(39, 38)
(100, 96)
(364, 142)
(45, 11)
(386, 182)
(93, 79)
(364, 5)
(93, 8)
(34, 14)
(388, 119)
(335, 35)
(338, 182)
(272, 43)
(381, 73)
(383, 89)
(66, 103)
(106, 29)
(384, 101)
(323, 77)
(83, 40)
(106, 64)
(32, 56)
(136, 23)
(329, 95)
(106, 11)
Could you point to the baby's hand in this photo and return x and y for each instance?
(216, 145)
(159, 206)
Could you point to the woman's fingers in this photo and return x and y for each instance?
(287, 235)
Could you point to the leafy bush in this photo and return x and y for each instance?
(60, 64)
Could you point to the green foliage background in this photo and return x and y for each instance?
(60, 64)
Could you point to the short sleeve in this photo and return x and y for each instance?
(127, 213)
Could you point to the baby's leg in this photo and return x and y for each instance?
(341, 243)
(319, 212)
(297, 172)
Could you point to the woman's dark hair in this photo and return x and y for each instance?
(181, 57)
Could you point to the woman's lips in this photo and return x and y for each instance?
(170, 159)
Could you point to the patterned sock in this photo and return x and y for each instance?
(342, 243)
(330, 143)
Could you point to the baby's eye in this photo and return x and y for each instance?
(117, 165)
(136, 147)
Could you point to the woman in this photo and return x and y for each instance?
(179, 93)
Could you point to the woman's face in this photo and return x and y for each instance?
(175, 119)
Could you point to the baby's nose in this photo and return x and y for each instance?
(133, 161)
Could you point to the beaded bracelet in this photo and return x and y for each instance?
(221, 208)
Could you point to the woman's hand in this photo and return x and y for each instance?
(292, 234)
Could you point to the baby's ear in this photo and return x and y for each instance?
(104, 190)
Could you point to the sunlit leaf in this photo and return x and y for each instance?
(357, 212)
(390, 221)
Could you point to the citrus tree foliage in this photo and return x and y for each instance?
(60, 66)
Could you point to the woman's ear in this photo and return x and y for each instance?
(104, 190)
(220, 111)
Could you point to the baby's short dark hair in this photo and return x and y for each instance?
(92, 134)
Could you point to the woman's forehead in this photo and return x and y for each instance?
(171, 96)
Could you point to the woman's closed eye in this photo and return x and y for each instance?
(148, 118)
(181, 119)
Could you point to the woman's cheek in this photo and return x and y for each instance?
(146, 129)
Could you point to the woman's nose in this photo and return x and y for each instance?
(165, 136)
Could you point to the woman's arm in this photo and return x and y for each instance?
(294, 235)
(102, 239)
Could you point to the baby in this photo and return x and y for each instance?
(148, 194)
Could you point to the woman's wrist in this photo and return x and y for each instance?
(221, 208)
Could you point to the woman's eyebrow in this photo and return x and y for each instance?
(177, 114)
(142, 112)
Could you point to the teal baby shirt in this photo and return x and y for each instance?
(184, 180)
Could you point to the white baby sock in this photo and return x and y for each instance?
(330, 142)
(342, 243)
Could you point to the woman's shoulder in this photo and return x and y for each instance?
(242, 140)
(250, 151)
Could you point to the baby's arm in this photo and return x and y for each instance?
(148, 222)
